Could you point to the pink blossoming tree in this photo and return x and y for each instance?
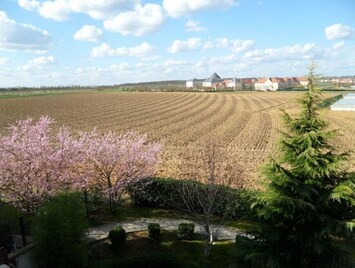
(118, 159)
(35, 163)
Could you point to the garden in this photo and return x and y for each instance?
(73, 186)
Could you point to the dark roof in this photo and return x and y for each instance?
(213, 77)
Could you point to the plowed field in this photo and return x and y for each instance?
(245, 124)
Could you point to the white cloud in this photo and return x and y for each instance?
(143, 20)
(88, 33)
(180, 46)
(16, 36)
(295, 52)
(102, 9)
(178, 8)
(4, 61)
(338, 46)
(120, 67)
(29, 4)
(235, 45)
(38, 63)
(104, 50)
(58, 10)
(44, 60)
(172, 63)
(339, 31)
(194, 26)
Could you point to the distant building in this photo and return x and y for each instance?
(248, 83)
(270, 84)
(229, 83)
(215, 82)
(303, 81)
(212, 80)
(194, 83)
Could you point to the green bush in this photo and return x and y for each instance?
(157, 260)
(186, 231)
(117, 237)
(166, 193)
(59, 231)
(156, 192)
(154, 230)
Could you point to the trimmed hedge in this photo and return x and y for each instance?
(154, 230)
(186, 231)
(166, 193)
(117, 237)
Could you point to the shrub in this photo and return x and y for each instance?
(166, 193)
(185, 231)
(117, 237)
(154, 230)
(156, 192)
(59, 232)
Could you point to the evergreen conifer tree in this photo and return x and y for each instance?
(309, 198)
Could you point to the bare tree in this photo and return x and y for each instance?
(208, 192)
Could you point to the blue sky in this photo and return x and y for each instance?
(96, 42)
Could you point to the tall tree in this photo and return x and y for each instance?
(309, 198)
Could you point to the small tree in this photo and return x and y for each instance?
(209, 192)
(309, 199)
(115, 160)
(35, 163)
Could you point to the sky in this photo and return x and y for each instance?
(107, 42)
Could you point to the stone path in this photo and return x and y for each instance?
(101, 232)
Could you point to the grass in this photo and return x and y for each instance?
(31, 93)
(139, 246)
(129, 211)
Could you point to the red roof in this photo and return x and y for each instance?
(246, 80)
(302, 79)
(261, 80)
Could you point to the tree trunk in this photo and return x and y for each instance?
(208, 237)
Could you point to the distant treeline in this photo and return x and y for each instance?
(4, 89)
(156, 83)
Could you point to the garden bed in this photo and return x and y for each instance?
(168, 248)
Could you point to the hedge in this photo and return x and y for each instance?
(166, 194)
(154, 230)
(185, 231)
(117, 237)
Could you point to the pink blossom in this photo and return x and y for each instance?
(36, 164)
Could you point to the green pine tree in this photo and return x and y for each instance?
(309, 198)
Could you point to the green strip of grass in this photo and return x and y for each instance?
(21, 94)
